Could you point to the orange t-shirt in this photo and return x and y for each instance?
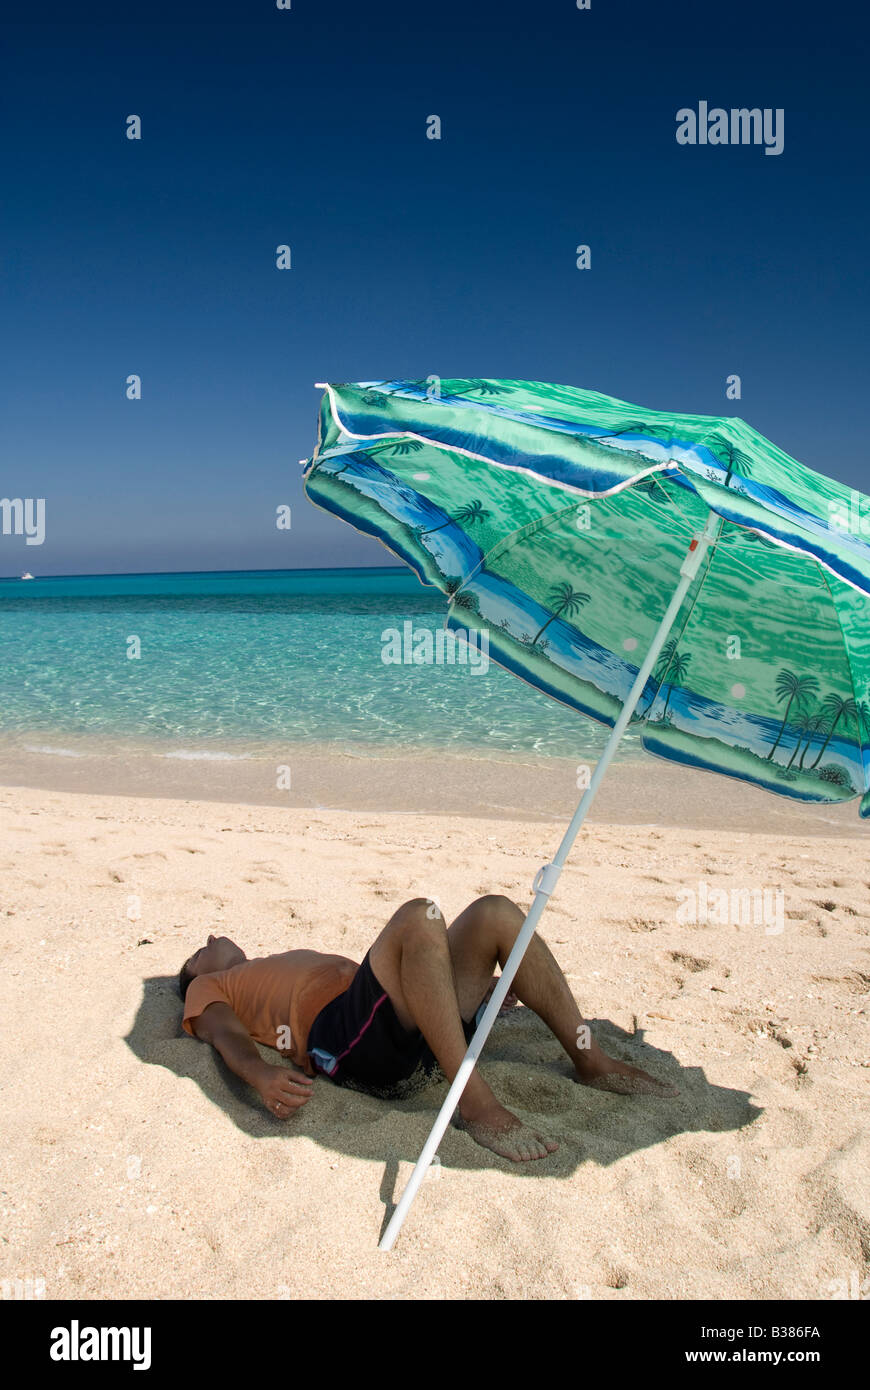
(272, 993)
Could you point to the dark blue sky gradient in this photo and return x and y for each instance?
(410, 256)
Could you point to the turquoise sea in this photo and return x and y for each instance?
(236, 662)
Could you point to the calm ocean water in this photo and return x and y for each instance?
(236, 662)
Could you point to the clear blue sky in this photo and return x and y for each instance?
(410, 256)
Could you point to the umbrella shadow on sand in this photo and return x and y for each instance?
(525, 1066)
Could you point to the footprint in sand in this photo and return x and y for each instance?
(814, 928)
(728, 1195)
(855, 981)
(767, 1028)
(837, 1193)
(614, 1276)
(691, 963)
(785, 1128)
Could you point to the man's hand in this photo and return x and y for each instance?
(283, 1090)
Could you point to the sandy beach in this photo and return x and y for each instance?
(136, 1165)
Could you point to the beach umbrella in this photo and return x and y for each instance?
(679, 573)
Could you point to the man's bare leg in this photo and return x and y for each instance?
(412, 961)
(482, 936)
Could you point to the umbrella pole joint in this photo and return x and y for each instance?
(546, 879)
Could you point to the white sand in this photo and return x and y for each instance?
(135, 1165)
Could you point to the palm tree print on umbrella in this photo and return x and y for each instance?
(469, 515)
(863, 718)
(564, 601)
(467, 600)
(364, 465)
(404, 446)
(653, 488)
(482, 388)
(791, 687)
(741, 535)
(816, 724)
(669, 664)
(633, 427)
(806, 726)
(350, 459)
(836, 709)
(667, 655)
(735, 459)
(677, 670)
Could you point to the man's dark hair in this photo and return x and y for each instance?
(185, 979)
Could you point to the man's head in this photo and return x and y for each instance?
(218, 953)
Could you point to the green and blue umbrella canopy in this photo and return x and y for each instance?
(556, 521)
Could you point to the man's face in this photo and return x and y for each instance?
(218, 953)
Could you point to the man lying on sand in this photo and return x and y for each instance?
(386, 1026)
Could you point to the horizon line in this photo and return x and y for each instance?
(133, 574)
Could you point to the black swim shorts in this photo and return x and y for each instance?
(358, 1042)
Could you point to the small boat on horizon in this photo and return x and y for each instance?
(27, 575)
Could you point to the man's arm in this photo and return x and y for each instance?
(282, 1089)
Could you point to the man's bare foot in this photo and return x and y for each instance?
(497, 1129)
(607, 1074)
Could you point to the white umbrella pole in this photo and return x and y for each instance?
(545, 882)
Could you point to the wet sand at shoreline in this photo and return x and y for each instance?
(646, 790)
